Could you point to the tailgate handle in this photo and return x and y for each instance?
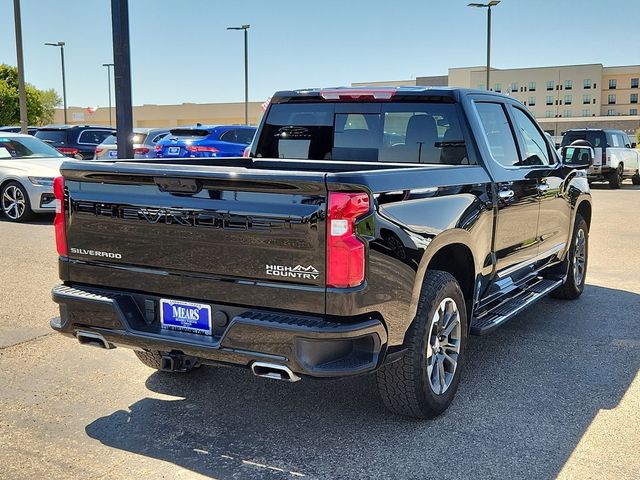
(177, 185)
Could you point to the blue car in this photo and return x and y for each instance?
(205, 141)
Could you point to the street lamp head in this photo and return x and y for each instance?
(57, 44)
(107, 64)
(492, 3)
(243, 27)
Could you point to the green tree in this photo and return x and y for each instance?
(40, 103)
(638, 137)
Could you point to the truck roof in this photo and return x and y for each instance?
(376, 93)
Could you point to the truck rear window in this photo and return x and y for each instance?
(374, 132)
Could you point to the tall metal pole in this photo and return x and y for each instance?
(21, 88)
(246, 77)
(122, 76)
(109, 65)
(64, 82)
(488, 47)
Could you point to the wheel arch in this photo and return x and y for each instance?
(584, 210)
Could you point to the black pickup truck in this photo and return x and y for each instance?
(369, 230)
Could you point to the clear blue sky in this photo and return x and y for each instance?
(181, 52)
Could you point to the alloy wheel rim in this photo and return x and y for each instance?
(444, 346)
(13, 202)
(579, 257)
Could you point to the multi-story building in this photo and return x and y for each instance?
(561, 97)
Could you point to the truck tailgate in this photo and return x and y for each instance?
(259, 234)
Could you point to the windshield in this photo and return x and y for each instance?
(25, 147)
(373, 132)
(136, 139)
(190, 132)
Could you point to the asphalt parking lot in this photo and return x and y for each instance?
(554, 393)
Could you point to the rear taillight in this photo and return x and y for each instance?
(201, 148)
(58, 223)
(246, 152)
(99, 150)
(140, 150)
(67, 150)
(158, 148)
(345, 251)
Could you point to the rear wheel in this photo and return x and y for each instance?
(424, 381)
(15, 202)
(578, 256)
(616, 177)
(636, 179)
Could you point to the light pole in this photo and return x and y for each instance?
(246, 71)
(488, 6)
(109, 65)
(64, 83)
(21, 88)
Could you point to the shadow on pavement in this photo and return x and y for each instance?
(528, 394)
(38, 219)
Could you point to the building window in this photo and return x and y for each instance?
(634, 83)
(532, 101)
(498, 87)
(633, 98)
(633, 111)
(514, 87)
(611, 99)
(586, 99)
(567, 99)
(568, 84)
(532, 86)
(549, 84)
(611, 112)
(586, 112)
(567, 113)
(613, 83)
(549, 100)
(548, 114)
(587, 83)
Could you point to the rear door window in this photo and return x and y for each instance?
(499, 135)
(229, 136)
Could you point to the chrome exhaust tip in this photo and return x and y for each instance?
(274, 371)
(93, 340)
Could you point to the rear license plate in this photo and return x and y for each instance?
(173, 151)
(185, 316)
(113, 153)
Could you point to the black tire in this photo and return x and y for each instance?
(12, 189)
(615, 177)
(404, 385)
(636, 179)
(150, 359)
(573, 287)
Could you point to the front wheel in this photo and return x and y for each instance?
(636, 179)
(15, 202)
(578, 256)
(424, 381)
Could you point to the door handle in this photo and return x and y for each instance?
(543, 187)
(506, 194)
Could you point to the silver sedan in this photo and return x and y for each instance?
(144, 140)
(27, 169)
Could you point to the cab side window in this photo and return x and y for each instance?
(499, 135)
(535, 148)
